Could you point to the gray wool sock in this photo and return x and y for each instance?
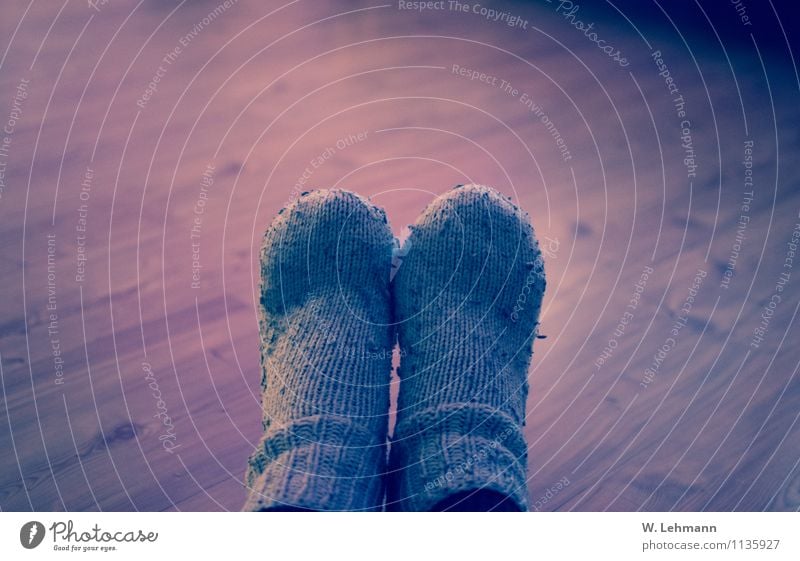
(467, 298)
(325, 318)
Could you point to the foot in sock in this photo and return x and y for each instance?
(325, 314)
(467, 299)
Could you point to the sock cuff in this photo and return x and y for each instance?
(456, 447)
(317, 463)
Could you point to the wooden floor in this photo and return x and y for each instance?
(130, 375)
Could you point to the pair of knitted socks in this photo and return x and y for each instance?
(464, 304)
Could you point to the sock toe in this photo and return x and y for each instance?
(326, 241)
(470, 246)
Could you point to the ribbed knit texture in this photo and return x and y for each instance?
(326, 342)
(467, 298)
